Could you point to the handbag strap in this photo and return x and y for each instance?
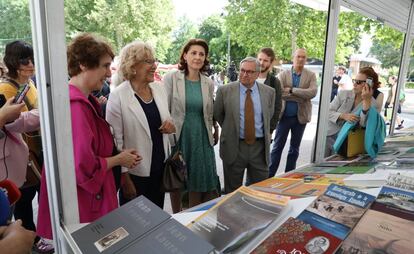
(175, 139)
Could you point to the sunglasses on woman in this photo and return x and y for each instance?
(26, 61)
(358, 81)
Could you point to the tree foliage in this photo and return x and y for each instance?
(123, 21)
(185, 31)
(14, 22)
(285, 26)
(387, 45)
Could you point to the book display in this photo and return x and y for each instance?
(336, 214)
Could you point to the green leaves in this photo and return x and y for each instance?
(123, 21)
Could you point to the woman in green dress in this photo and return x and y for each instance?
(190, 98)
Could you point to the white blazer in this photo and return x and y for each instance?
(130, 126)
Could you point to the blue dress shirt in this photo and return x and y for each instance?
(292, 106)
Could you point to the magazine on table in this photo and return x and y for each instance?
(241, 220)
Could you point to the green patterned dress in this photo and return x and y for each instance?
(195, 144)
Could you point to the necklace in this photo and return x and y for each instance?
(145, 101)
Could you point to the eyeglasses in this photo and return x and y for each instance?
(149, 61)
(358, 81)
(26, 61)
(247, 72)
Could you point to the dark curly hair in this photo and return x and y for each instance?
(15, 51)
(369, 72)
(182, 65)
(86, 49)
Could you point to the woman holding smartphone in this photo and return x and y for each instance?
(18, 58)
(345, 105)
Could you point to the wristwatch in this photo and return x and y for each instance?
(291, 90)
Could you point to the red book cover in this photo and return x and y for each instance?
(296, 236)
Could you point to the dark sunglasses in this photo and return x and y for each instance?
(358, 81)
(26, 61)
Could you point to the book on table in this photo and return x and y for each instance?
(276, 184)
(136, 226)
(387, 227)
(241, 220)
(305, 190)
(352, 169)
(296, 236)
(337, 211)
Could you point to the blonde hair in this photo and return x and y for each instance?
(132, 54)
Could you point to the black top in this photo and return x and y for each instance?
(154, 122)
(375, 94)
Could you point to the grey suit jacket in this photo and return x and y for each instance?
(302, 95)
(343, 103)
(175, 86)
(227, 114)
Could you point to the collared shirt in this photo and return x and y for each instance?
(292, 106)
(258, 116)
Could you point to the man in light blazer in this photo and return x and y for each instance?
(298, 88)
(229, 111)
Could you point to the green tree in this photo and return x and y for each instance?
(123, 21)
(14, 22)
(211, 28)
(185, 31)
(387, 45)
(285, 26)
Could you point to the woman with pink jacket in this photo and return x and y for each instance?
(89, 60)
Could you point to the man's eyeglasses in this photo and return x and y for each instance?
(358, 81)
(247, 72)
(149, 61)
(26, 61)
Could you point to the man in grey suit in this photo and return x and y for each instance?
(244, 110)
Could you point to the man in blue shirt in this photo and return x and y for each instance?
(299, 87)
(244, 109)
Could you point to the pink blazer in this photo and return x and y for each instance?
(92, 143)
(14, 151)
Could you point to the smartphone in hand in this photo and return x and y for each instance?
(21, 94)
(369, 81)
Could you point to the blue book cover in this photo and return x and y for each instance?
(336, 229)
(338, 210)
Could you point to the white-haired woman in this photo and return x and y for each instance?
(138, 112)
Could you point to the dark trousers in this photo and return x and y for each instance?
(285, 125)
(150, 187)
(334, 92)
(23, 209)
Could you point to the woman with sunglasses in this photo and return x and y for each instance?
(138, 112)
(18, 59)
(345, 105)
(190, 97)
